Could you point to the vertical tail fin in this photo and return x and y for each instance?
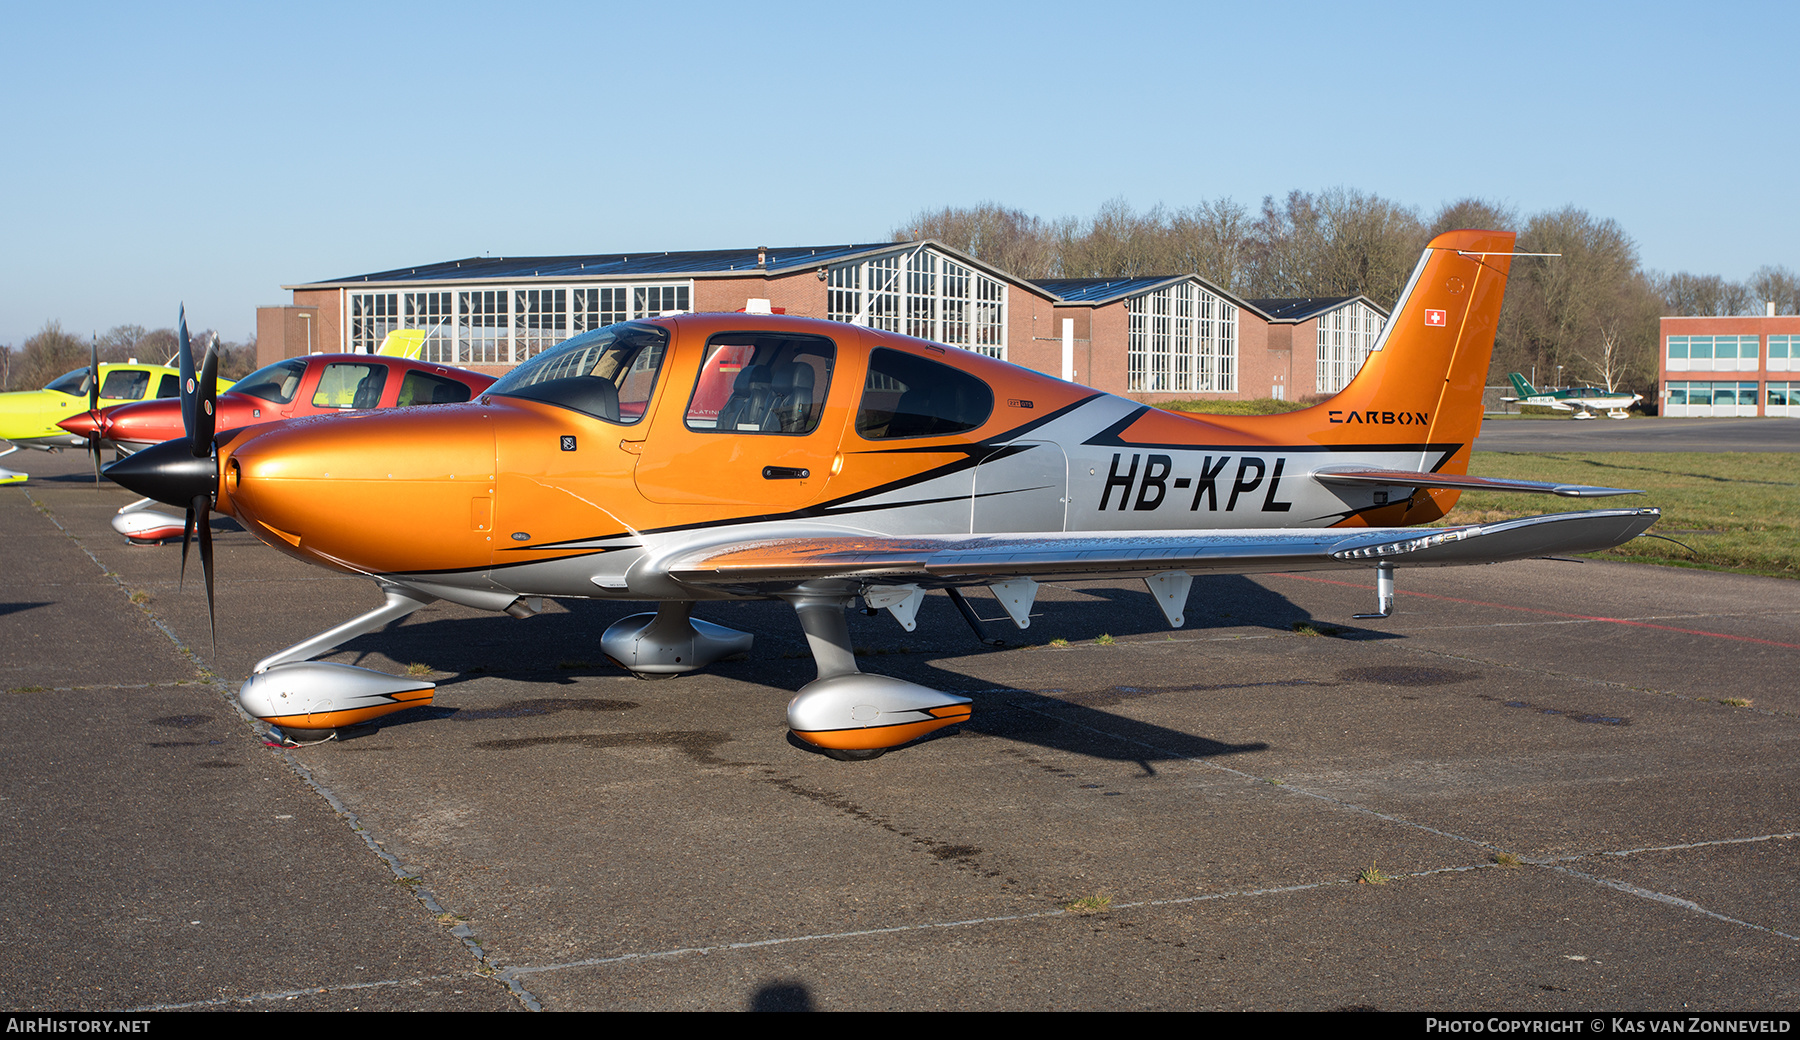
(1520, 386)
(1429, 366)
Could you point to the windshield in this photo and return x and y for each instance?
(70, 382)
(608, 373)
(275, 383)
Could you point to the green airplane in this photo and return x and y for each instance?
(1587, 402)
(28, 418)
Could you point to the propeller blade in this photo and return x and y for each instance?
(185, 356)
(187, 535)
(202, 510)
(200, 432)
(94, 404)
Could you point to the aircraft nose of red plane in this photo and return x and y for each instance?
(83, 424)
(402, 491)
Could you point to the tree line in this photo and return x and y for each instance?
(1592, 311)
(52, 351)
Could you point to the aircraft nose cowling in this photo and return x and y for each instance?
(83, 425)
(402, 491)
(167, 472)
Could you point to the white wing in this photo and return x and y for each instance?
(957, 560)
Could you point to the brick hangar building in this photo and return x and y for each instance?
(1155, 339)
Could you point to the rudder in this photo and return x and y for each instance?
(1430, 363)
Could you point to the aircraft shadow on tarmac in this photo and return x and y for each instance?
(14, 608)
(559, 647)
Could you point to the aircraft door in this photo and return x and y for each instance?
(757, 428)
(1022, 487)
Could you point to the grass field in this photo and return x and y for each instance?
(1737, 511)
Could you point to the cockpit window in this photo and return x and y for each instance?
(350, 386)
(909, 396)
(608, 373)
(762, 382)
(70, 382)
(277, 383)
(125, 384)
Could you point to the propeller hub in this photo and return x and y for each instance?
(167, 472)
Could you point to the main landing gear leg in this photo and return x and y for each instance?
(1384, 592)
(849, 714)
(306, 700)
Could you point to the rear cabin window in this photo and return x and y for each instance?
(910, 396)
(762, 382)
(424, 388)
(168, 386)
(352, 386)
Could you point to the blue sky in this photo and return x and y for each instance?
(210, 154)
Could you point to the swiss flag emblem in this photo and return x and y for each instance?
(1435, 318)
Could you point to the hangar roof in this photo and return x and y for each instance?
(1097, 290)
(616, 265)
(1301, 308)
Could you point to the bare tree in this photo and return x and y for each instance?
(1703, 295)
(1608, 362)
(1558, 307)
(49, 354)
(1479, 214)
(1339, 243)
(1007, 238)
(120, 343)
(1212, 240)
(1776, 285)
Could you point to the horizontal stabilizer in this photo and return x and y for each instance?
(1355, 476)
(940, 561)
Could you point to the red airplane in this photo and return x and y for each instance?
(319, 384)
(722, 456)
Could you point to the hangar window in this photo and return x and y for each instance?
(921, 293)
(481, 327)
(1183, 339)
(372, 317)
(598, 308)
(432, 312)
(909, 396)
(540, 320)
(1345, 337)
(510, 325)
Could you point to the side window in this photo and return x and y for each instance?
(910, 396)
(168, 386)
(350, 386)
(762, 382)
(125, 385)
(424, 388)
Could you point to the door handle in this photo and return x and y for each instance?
(785, 473)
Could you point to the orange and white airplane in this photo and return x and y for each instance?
(718, 456)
